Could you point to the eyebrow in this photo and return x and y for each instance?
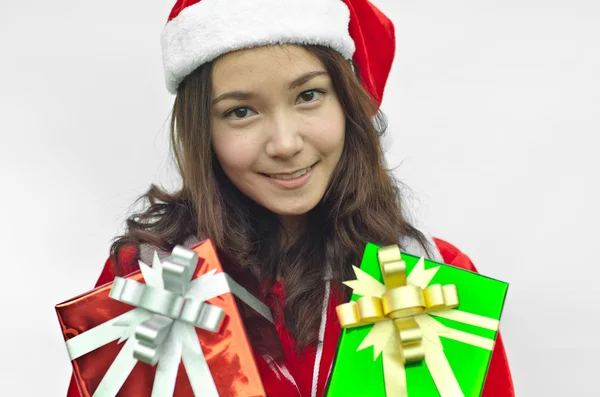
(245, 95)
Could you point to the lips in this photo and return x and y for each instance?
(294, 175)
(292, 183)
(288, 176)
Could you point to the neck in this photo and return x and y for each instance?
(292, 227)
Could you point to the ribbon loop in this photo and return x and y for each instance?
(210, 317)
(161, 301)
(411, 336)
(191, 311)
(392, 266)
(152, 332)
(450, 296)
(434, 297)
(370, 309)
(349, 315)
(126, 291)
(155, 300)
(178, 269)
(403, 301)
(413, 353)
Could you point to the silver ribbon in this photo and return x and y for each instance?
(160, 330)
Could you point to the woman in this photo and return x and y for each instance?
(282, 166)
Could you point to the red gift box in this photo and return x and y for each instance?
(228, 352)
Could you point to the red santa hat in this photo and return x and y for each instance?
(198, 31)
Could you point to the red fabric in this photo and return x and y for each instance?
(498, 382)
(179, 6)
(374, 37)
(301, 366)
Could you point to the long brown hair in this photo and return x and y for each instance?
(362, 204)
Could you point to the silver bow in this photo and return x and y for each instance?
(167, 303)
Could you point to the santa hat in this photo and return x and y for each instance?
(198, 31)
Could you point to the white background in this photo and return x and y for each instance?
(493, 109)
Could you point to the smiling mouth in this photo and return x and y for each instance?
(294, 175)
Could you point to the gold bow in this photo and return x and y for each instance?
(403, 330)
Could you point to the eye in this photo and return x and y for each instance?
(309, 95)
(240, 113)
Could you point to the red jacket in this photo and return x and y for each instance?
(299, 381)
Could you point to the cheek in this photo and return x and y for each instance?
(331, 134)
(235, 153)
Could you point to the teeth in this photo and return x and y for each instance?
(290, 176)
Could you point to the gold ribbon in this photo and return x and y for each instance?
(403, 331)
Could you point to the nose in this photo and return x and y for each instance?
(284, 139)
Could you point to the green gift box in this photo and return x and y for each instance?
(456, 342)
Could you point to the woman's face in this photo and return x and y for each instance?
(275, 112)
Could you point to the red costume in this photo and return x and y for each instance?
(299, 382)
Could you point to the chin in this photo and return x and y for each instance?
(292, 210)
(290, 213)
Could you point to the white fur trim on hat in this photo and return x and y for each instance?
(210, 28)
